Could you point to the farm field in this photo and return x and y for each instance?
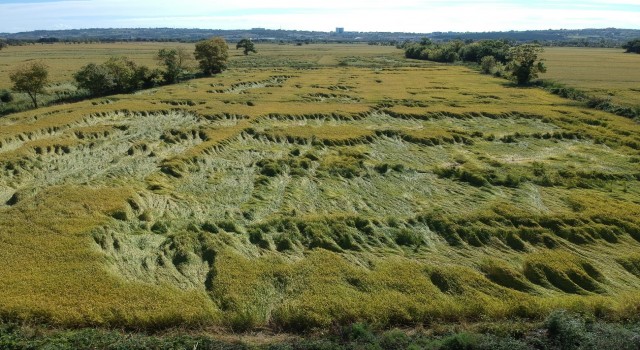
(606, 73)
(66, 59)
(314, 186)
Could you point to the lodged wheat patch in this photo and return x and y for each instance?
(297, 199)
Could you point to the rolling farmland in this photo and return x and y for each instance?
(313, 186)
(605, 73)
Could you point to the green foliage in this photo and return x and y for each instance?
(174, 61)
(488, 64)
(632, 46)
(434, 52)
(14, 337)
(212, 55)
(116, 75)
(561, 330)
(30, 78)
(5, 96)
(247, 46)
(457, 50)
(476, 51)
(523, 63)
(461, 341)
(96, 79)
(566, 330)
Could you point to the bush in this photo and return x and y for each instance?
(488, 64)
(461, 341)
(394, 339)
(6, 96)
(565, 330)
(358, 333)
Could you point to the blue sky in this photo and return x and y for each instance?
(322, 15)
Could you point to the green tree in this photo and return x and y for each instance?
(116, 75)
(175, 63)
(96, 79)
(123, 71)
(212, 55)
(632, 46)
(30, 78)
(488, 64)
(524, 65)
(247, 45)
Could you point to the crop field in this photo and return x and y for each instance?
(348, 186)
(66, 59)
(605, 73)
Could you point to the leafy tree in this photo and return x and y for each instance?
(522, 63)
(30, 78)
(123, 71)
(2, 45)
(475, 51)
(212, 54)
(632, 46)
(488, 64)
(426, 42)
(247, 45)
(96, 79)
(116, 75)
(455, 50)
(174, 61)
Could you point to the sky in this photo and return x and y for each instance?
(418, 16)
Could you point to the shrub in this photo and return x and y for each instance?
(394, 339)
(488, 64)
(359, 333)
(461, 341)
(565, 330)
(6, 96)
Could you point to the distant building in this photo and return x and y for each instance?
(339, 30)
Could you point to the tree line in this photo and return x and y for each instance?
(122, 75)
(500, 57)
